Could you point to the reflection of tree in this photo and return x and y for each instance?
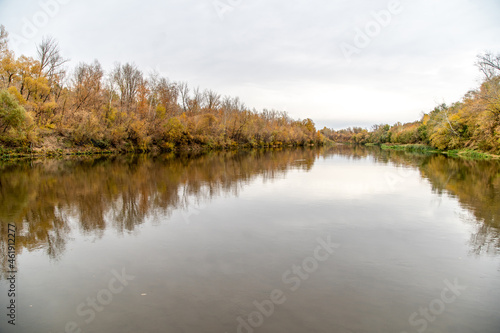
(476, 185)
(43, 198)
(36, 216)
(354, 152)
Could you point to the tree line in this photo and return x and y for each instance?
(42, 103)
(472, 123)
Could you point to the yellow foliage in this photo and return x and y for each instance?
(14, 92)
(425, 119)
(161, 112)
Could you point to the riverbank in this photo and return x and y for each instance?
(421, 148)
(7, 153)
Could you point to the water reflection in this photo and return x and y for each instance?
(476, 185)
(47, 200)
(42, 197)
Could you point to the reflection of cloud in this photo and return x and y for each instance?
(344, 179)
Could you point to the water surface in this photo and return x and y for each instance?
(207, 243)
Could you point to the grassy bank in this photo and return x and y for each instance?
(57, 149)
(424, 149)
(14, 153)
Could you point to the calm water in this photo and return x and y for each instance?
(328, 240)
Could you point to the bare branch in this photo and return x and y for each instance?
(489, 64)
(50, 57)
(4, 40)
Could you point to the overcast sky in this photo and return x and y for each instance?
(334, 61)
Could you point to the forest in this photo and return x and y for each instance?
(45, 106)
(472, 123)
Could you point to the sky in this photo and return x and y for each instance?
(341, 63)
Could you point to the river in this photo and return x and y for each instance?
(335, 239)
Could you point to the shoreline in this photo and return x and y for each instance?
(424, 149)
(12, 153)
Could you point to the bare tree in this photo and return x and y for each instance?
(4, 40)
(184, 95)
(50, 58)
(212, 99)
(87, 83)
(128, 78)
(168, 94)
(489, 64)
(197, 102)
(153, 84)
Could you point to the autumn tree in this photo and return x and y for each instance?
(127, 78)
(213, 100)
(12, 115)
(87, 85)
(125, 109)
(8, 68)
